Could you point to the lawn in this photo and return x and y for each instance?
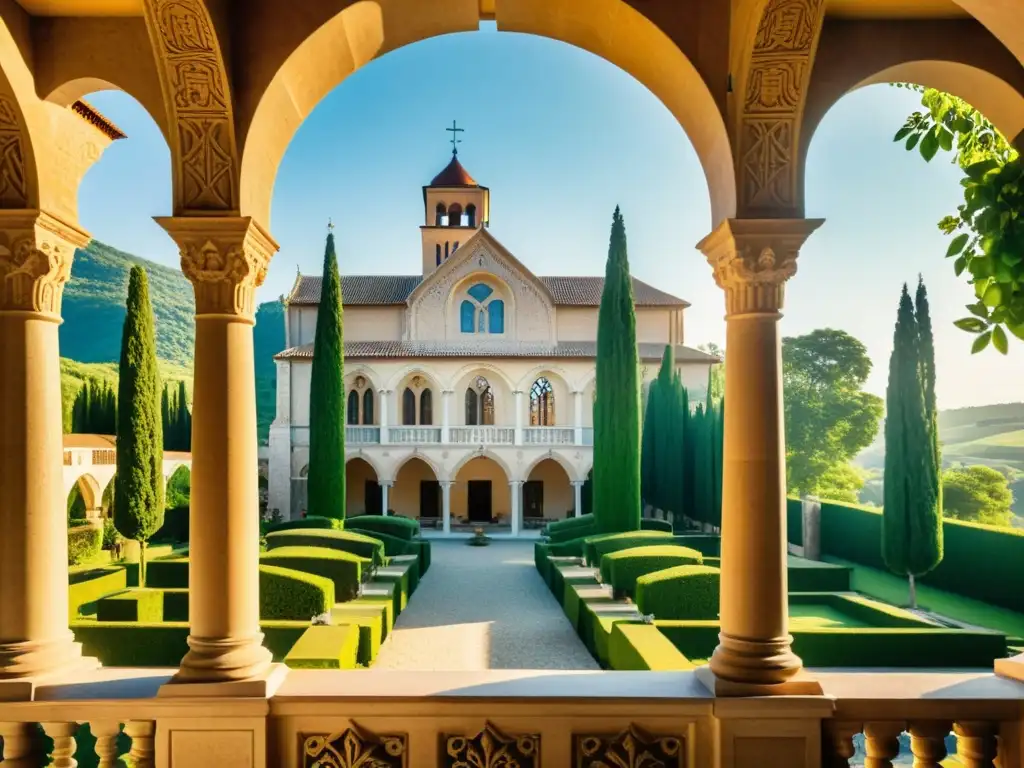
(893, 589)
(820, 617)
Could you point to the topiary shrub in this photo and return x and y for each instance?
(654, 524)
(568, 523)
(344, 541)
(399, 527)
(575, 532)
(325, 647)
(343, 568)
(84, 544)
(111, 537)
(288, 594)
(596, 546)
(634, 646)
(680, 592)
(311, 521)
(145, 606)
(621, 569)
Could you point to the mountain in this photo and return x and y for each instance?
(93, 309)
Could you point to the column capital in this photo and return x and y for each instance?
(753, 258)
(516, 482)
(446, 483)
(226, 259)
(36, 251)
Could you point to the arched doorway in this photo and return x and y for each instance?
(547, 494)
(417, 493)
(83, 500)
(481, 495)
(362, 489)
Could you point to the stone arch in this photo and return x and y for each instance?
(559, 458)
(22, 125)
(299, 71)
(199, 106)
(490, 369)
(92, 495)
(406, 372)
(363, 493)
(374, 463)
(148, 95)
(487, 454)
(416, 487)
(436, 468)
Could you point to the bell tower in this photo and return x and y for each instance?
(455, 207)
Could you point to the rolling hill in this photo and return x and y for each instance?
(94, 308)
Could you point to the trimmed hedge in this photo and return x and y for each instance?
(145, 606)
(654, 524)
(596, 546)
(871, 612)
(293, 595)
(343, 541)
(576, 532)
(325, 647)
(621, 569)
(810, 576)
(172, 572)
(130, 644)
(313, 521)
(400, 527)
(855, 533)
(84, 544)
(682, 592)
(414, 572)
(424, 552)
(795, 521)
(175, 604)
(401, 575)
(634, 646)
(86, 586)
(576, 593)
(568, 524)
(371, 618)
(343, 568)
(380, 596)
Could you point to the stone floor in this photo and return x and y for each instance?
(483, 608)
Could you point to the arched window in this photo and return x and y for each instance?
(455, 215)
(542, 403)
(446, 250)
(352, 408)
(480, 402)
(471, 215)
(368, 406)
(471, 407)
(426, 407)
(439, 214)
(408, 407)
(437, 254)
(485, 312)
(487, 406)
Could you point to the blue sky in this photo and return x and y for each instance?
(561, 137)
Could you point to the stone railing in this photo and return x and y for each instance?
(414, 435)
(397, 719)
(362, 435)
(588, 435)
(549, 436)
(483, 435)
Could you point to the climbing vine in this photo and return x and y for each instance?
(988, 228)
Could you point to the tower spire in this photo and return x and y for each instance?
(455, 140)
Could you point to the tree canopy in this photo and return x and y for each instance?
(829, 418)
(988, 228)
(978, 494)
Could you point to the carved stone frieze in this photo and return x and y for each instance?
(632, 748)
(36, 251)
(780, 65)
(198, 98)
(491, 749)
(13, 174)
(225, 259)
(355, 748)
(753, 258)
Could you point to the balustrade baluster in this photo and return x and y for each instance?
(63, 735)
(106, 733)
(928, 742)
(976, 744)
(20, 745)
(142, 733)
(838, 743)
(882, 743)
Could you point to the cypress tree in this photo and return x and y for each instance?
(911, 521)
(183, 422)
(326, 478)
(617, 410)
(648, 452)
(927, 351)
(139, 482)
(675, 469)
(664, 439)
(165, 418)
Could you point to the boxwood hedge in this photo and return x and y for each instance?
(635, 646)
(343, 568)
(622, 568)
(293, 595)
(681, 592)
(86, 586)
(400, 527)
(325, 647)
(142, 605)
(345, 541)
(596, 546)
(313, 521)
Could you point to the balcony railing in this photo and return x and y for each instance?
(362, 435)
(542, 717)
(549, 436)
(588, 435)
(483, 435)
(414, 435)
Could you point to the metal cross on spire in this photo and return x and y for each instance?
(330, 225)
(455, 131)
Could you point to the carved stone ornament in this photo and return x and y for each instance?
(360, 382)
(355, 748)
(225, 259)
(196, 92)
(753, 258)
(13, 174)
(492, 749)
(36, 251)
(633, 748)
(780, 66)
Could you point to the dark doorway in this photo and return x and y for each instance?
(533, 498)
(479, 501)
(430, 499)
(373, 498)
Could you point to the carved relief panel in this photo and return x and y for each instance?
(491, 749)
(633, 748)
(355, 748)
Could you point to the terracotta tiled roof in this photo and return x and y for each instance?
(90, 114)
(565, 349)
(90, 441)
(357, 290)
(454, 175)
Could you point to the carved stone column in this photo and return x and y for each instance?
(36, 251)
(752, 260)
(225, 259)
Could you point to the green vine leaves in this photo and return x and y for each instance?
(988, 228)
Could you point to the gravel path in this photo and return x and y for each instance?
(483, 608)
